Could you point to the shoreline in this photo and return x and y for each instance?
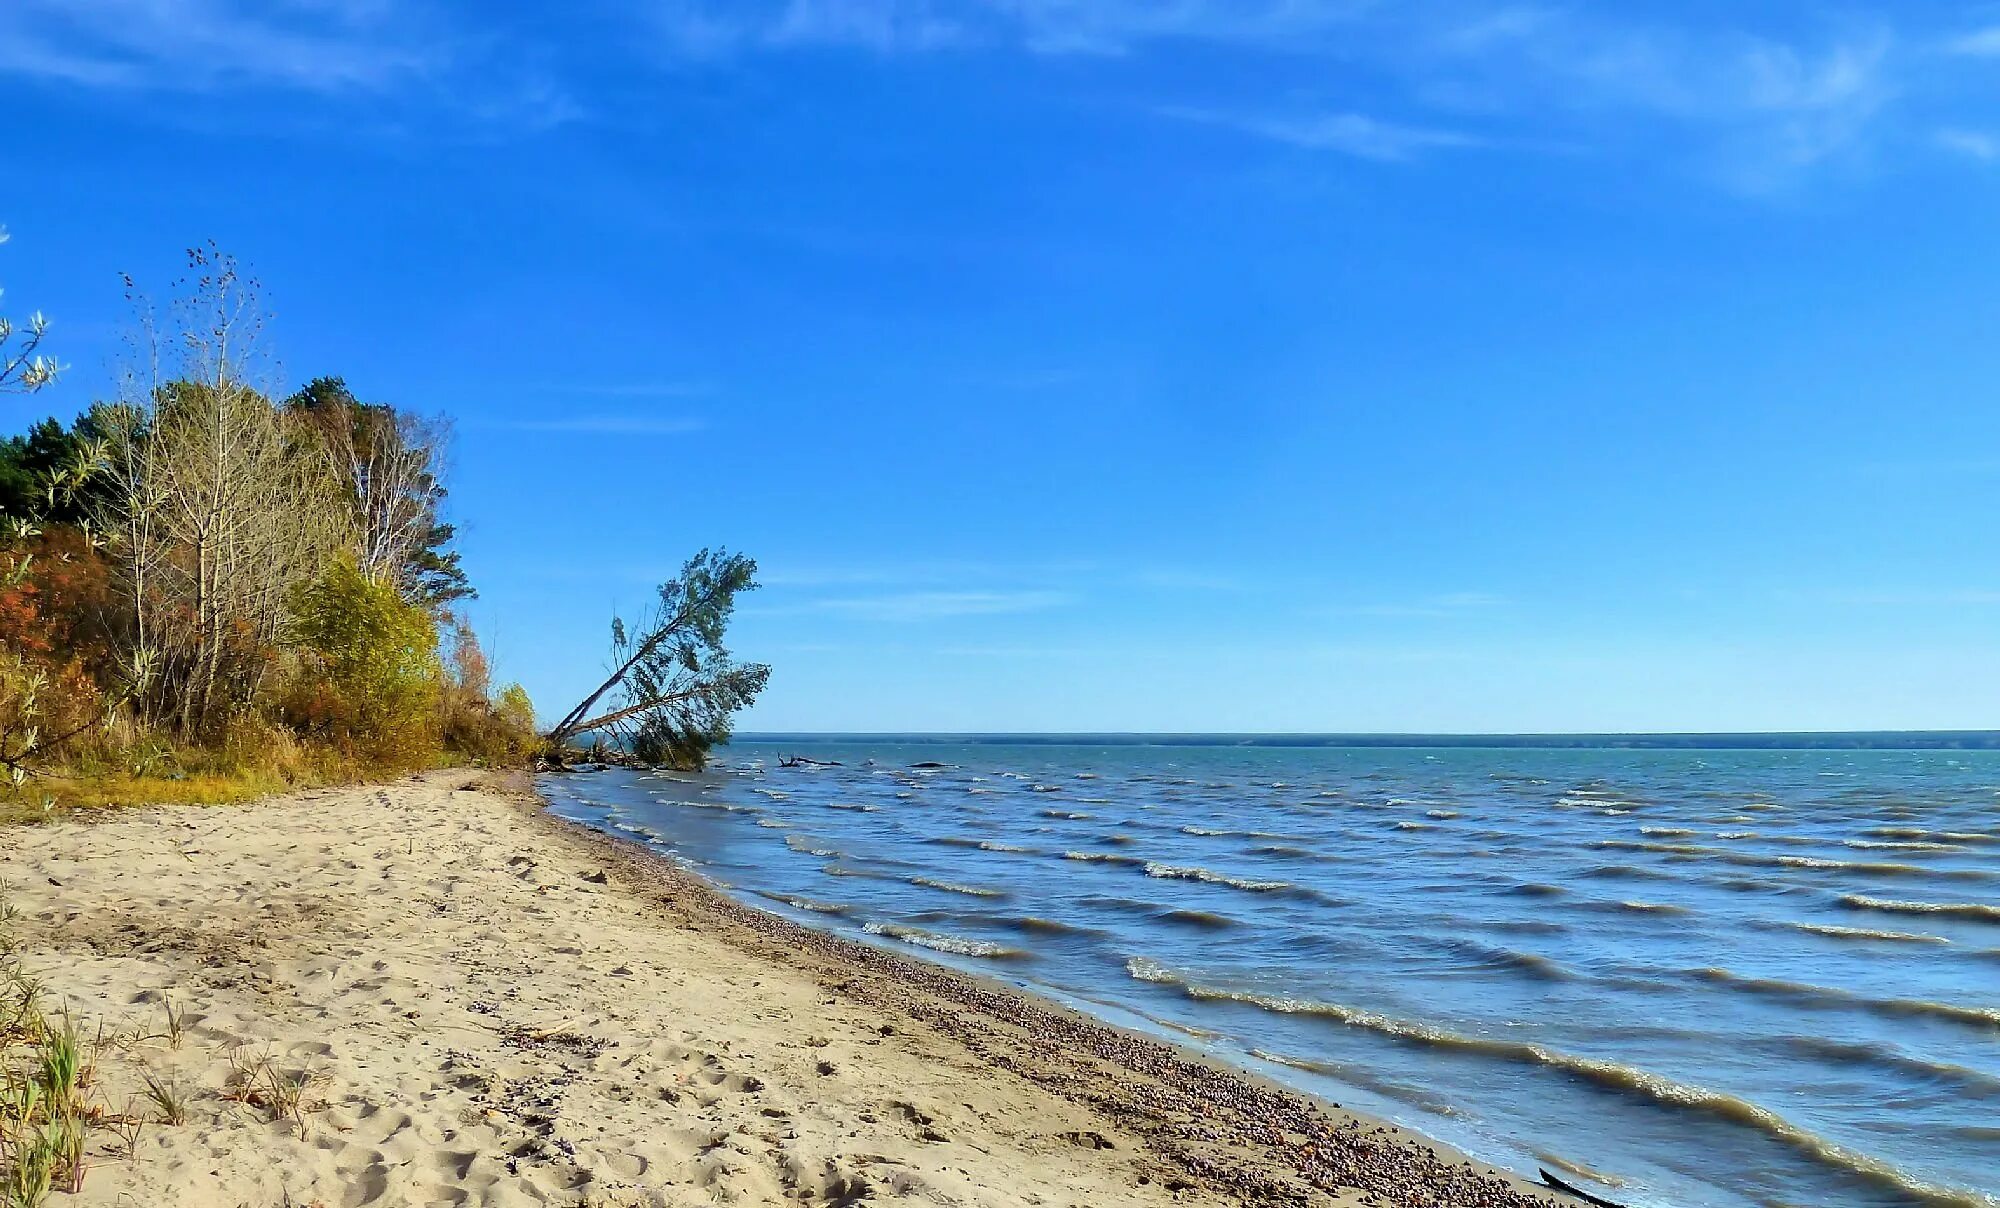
(490, 1004)
(1328, 1148)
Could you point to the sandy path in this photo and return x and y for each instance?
(493, 1009)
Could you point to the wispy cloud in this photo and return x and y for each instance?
(641, 389)
(1974, 144)
(605, 425)
(1758, 110)
(1930, 597)
(882, 25)
(936, 605)
(1751, 108)
(403, 52)
(1446, 604)
(1050, 27)
(325, 46)
(1346, 133)
(1979, 43)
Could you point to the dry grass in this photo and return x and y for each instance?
(47, 1071)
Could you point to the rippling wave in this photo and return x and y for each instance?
(1805, 992)
(1863, 933)
(1610, 1075)
(956, 945)
(1194, 872)
(974, 891)
(1981, 911)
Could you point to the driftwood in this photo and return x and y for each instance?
(800, 761)
(1578, 1192)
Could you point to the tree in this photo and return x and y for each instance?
(217, 508)
(22, 368)
(673, 688)
(388, 463)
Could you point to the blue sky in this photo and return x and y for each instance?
(1189, 365)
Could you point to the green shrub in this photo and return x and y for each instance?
(370, 681)
(494, 732)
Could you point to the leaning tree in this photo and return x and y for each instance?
(673, 688)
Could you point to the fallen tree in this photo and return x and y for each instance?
(674, 689)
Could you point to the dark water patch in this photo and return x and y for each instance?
(1635, 906)
(1038, 925)
(1807, 994)
(1206, 919)
(1524, 926)
(811, 905)
(1494, 956)
(1535, 889)
(1633, 872)
(1288, 851)
(1958, 1078)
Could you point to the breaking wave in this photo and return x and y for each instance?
(957, 945)
(1978, 911)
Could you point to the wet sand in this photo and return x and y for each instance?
(492, 1006)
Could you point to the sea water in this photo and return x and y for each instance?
(1677, 977)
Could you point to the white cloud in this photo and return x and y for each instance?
(399, 53)
(1756, 110)
(1446, 604)
(1979, 43)
(938, 605)
(328, 46)
(882, 25)
(1346, 133)
(607, 425)
(1974, 144)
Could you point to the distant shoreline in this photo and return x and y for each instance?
(1854, 740)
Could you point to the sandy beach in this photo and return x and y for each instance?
(486, 1005)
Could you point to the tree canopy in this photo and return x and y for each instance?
(674, 688)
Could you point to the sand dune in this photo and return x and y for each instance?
(489, 1007)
